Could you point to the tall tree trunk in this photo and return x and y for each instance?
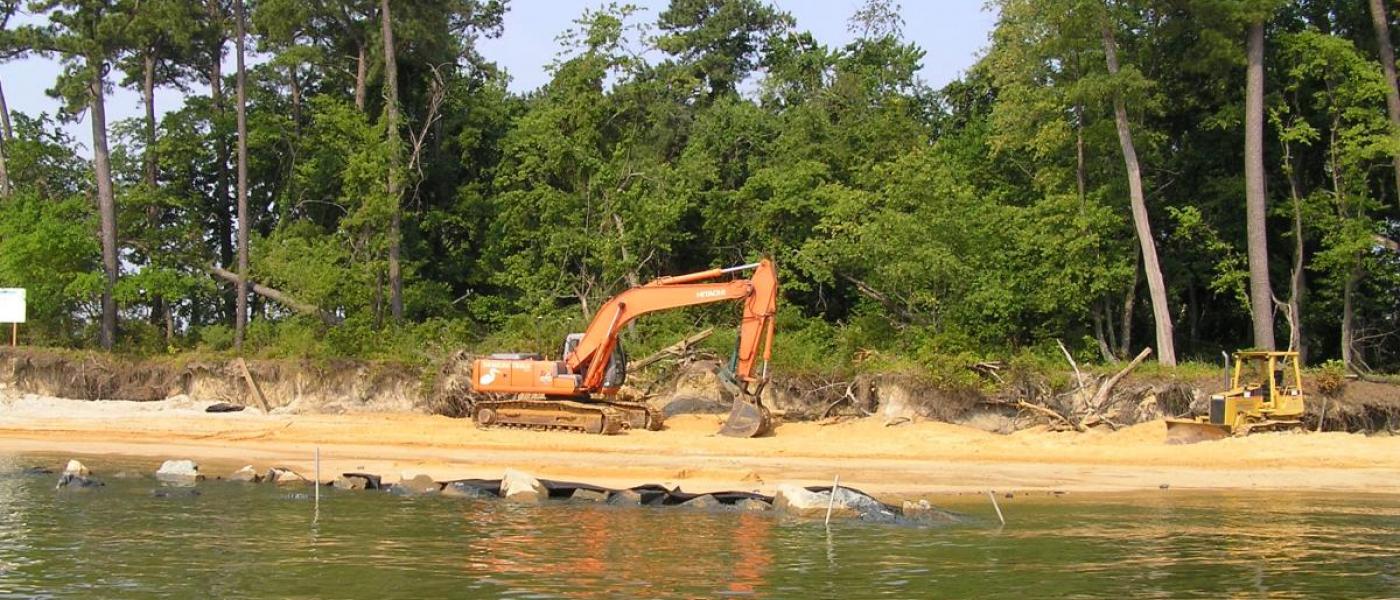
(1125, 324)
(391, 101)
(1380, 21)
(1081, 178)
(1297, 285)
(1156, 285)
(223, 217)
(294, 86)
(150, 172)
(1105, 350)
(361, 76)
(106, 201)
(5, 129)
(5, 137)
(1261, 295)
(1349, 316)
(241, 301)
(148, 97)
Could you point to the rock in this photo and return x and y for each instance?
(175, 493)
(247, 474)
(518, 486)
(284, 476)
(76, 475)
(76, 468)
(705, 502)
(372, 481)
(587, 495)
(421, 485)
(179, 471)
(625, 498)
(223, 407)
(753, 505)
(71, 481)
(463, 489)
(801, 502)
(698, 390)
(923, 512)
(350, 482)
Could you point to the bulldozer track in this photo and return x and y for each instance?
(538, 414)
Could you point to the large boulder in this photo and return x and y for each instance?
(587, 495)
(705, 502)
(798, 501)
(753, 505)
(923, 512)
(625, 498)
(466, 489)
(350, 482)
(77, 469)
(419, 485)
(285, 476)
(76, 475)
(179, 471)
(247, 474)
(518, 486)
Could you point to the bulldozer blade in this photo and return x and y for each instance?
(1191, 432)
(746, 420)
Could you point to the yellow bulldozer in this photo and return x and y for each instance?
(1266, 394)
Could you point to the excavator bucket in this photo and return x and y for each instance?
(1190, 432)
(747, 419)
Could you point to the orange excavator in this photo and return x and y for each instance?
(578, 392)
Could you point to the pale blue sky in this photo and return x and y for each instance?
(952, 32)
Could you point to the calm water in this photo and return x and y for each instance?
(237, 540)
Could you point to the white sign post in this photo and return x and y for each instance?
(12, 311)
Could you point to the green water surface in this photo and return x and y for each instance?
(257, 541)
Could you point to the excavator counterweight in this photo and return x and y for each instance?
(577, 392)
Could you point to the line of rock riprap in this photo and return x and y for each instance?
(790, 500)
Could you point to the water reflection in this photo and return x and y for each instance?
(606, 551)
(259, 541)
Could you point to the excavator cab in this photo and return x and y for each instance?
(1266, 393)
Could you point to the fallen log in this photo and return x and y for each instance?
(277, 296)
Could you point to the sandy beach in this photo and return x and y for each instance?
(902, 461)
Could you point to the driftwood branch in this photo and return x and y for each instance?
(1106, 388)
(1049, 413)
(1078, 377)
(277, 296)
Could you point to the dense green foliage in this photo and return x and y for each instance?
(912, 226)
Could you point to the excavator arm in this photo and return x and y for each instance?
(759, 294)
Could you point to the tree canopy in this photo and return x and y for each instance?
(992, 217)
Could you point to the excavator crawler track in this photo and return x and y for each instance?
(606, 418)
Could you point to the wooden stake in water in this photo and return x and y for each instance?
(317, 484)
(831, 502)
(996, 506)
